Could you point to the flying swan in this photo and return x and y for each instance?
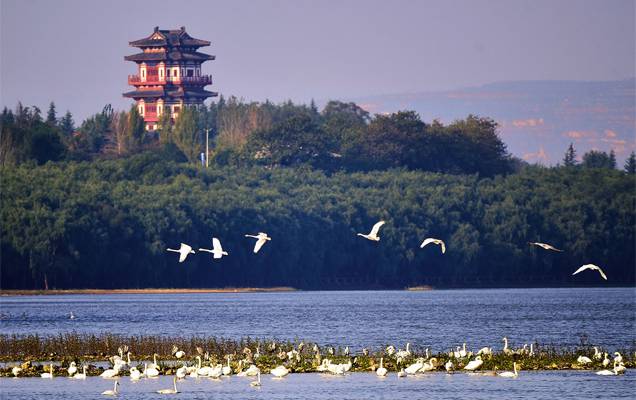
(591, 266)
(217, 250)
(262, 238)
(436, 241)
(183, 251)
(373, 235)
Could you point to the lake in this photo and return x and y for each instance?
(438, 319)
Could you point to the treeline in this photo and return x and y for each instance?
(107, 224)
(342, 136)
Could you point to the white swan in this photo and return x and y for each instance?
(135, 374)
(438, 242)
(81, 375)
(72, 369)
(415, 367)
(473, 365)
(609, 372)
(544, 246)
(280, 371)
(462, 352)
(261, 239)
(154, 364)
(150, 372)
(484, 351)
(227, 370)
(506, 350)
(48, 375)
(381, 371)
(617, 357)
(430, 366)
(404, 353)
(182, 372)
(509, 374)
(110, 373)
(216, 372)
(449, 366)
(111, 392)
(217, 250)
(170, 391)
(202, 371)
(583, 360)
(183, 251)
(606, 361)
(257, 382)
(373, 235)
(592, 267)
(402, 373)
(16, 371)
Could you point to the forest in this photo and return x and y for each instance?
(96, 206)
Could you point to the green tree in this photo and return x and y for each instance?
(597, 159)
(67, 125)
(51, 116)
(630, 164)
(186, 135)
(569, 160)
(612, 159)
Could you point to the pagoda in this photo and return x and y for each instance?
(169, 74)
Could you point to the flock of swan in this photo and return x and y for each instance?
(261, 238)
(408, 363)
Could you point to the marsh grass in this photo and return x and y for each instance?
(86, 349)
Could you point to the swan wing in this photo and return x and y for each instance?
(426, 242)
(376, 228)
(216, 245)
(259, 244)
(183, 256)
(600, 271)
(582, 268)
(441, 242)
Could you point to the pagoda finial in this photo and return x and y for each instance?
(183, 29)
(156, 29)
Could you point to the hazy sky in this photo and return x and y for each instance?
(72, 51)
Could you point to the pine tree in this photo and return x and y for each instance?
(66, 124)
(570, 156)
(612, 159)
(51, 116)
(630, 164)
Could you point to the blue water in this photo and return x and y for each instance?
(529, 385)
(435, 319)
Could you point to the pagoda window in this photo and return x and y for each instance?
(190, 73)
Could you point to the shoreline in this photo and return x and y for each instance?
(53, 292)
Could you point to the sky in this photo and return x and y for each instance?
(71, 51)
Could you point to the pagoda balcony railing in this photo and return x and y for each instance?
(152, 80)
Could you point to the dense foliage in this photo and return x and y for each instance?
(108, 223)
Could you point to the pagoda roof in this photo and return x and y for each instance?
(169, 38)
(177, 92)
(174, 55)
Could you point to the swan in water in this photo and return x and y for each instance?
(183, 251)
(257, 382)
(279, 371)
(217, 250)
(592, 267)
(261, 239)
(608, 372)
(216, 372)
(617, 357)
(252, 370)
(449, 366)
(597, 354)
(16, 371)
(202, 371)
(154, 364)
(182, 372)
(381, 371)
(170, 391)
(81, 375)
(473, 365)
(111, 392)
(508, 374)
(373, 235)
(72, 369)
(404, 353)
(462, 352)
(111, 372)
(583, 360)
(48, 375)
(135, 374)
(227, 370)
(150, 371)
(415, 367)
(430, 366)
(606, 361)
(544, 246)
(438, 242)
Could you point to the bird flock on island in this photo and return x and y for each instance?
(261, 238)
(279, 360)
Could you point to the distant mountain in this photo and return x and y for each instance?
(538, 119)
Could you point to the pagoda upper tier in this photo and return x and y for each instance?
(169, 74)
